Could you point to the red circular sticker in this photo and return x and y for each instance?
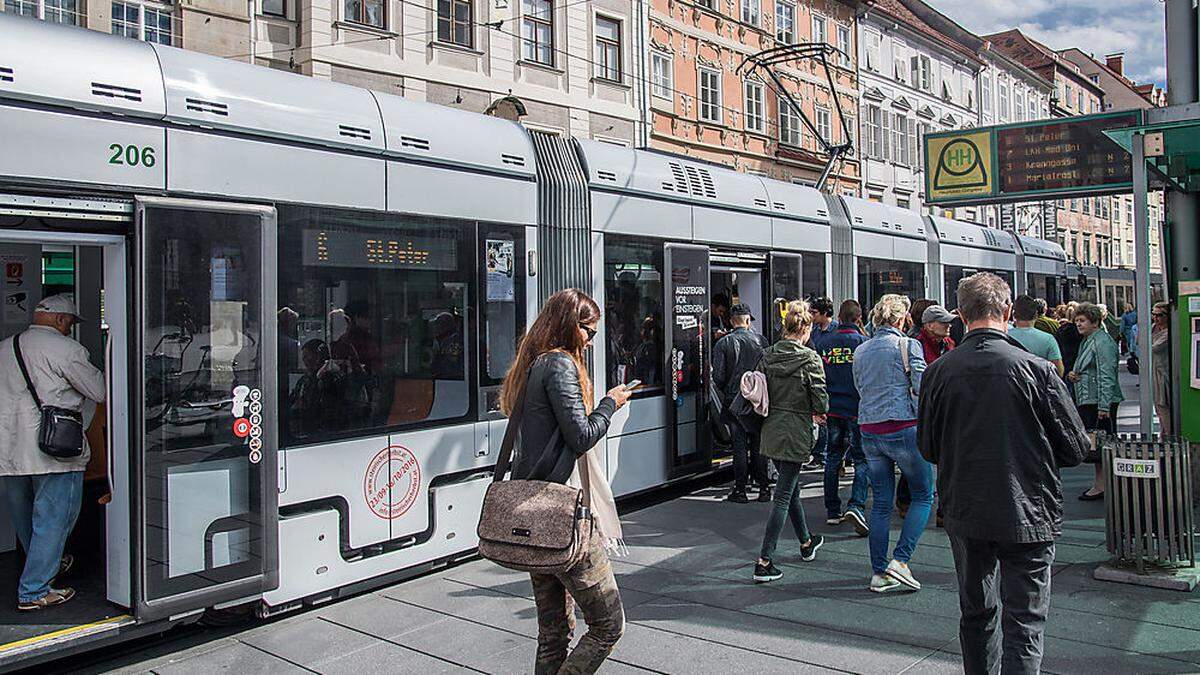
(241, 427)
(392, 482)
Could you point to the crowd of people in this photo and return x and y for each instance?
(997, 395)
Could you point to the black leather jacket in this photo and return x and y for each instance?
(999, 423)
(556, 429)
(735, 354)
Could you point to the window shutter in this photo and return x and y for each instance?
(912, 141)
(887, 136)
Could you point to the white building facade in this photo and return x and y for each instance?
(914, 81)
(1009, 92)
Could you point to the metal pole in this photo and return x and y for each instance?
(1182, 263)
(1141, 246)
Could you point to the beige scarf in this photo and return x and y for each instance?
(604, 507)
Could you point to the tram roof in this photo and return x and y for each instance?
(958, 233)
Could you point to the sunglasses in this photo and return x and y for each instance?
(591, 332)
(1157, 314)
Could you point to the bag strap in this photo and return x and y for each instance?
(25, 371)
(904, 355)
(510, 434)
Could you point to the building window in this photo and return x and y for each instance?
(985, 93)
(1033, 107)
(1019, 103)
(824, 128)
(750, 11)
(790, 126)
(453, 17)
(921, 131)
(820, 29)
(1079, 101)
(710, 95)
(843, 45)
(900, 140)
(785, 22)
(1087, 205)
(275, 8)
(873, 136)
(54, 11)
(872, 50)
(755, 118)
(143, 22)
(661, 75)
(537, 29)
(1002, 102)
(708, 4)
(922, 72)
(608, 49)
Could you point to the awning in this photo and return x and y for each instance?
(1178, 159)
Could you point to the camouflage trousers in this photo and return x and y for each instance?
(591, 586)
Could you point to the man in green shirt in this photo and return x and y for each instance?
(1036, 342)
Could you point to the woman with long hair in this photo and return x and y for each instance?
(887, 373)
(797, 397)
(558, 429)
(1097, 384)
(1160, 355)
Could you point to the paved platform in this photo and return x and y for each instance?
(692, 608)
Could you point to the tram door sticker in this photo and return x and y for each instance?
(247, 419)
(501, 269)
(392, 482)
(22, 287)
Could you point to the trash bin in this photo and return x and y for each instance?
(1148, 491)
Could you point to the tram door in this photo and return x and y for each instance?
(688, 346)
(206, 423)
(787, 275)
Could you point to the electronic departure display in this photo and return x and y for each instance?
(1063, 155)
(1042, 160)
(331, 247)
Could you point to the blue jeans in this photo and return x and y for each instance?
(885, 452)
(43, 509)
(786, 505)
(844, 438)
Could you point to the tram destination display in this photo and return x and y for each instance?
(330, 247)
(1040, 160)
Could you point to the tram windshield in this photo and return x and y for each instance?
(372, 322)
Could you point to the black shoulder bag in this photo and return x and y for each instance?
(60, 432)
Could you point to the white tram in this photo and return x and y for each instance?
(310, 292)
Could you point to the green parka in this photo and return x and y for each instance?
(796, 391)
(1097, 365)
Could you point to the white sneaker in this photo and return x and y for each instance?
(833, 521)
(882, 583)
(900, 572)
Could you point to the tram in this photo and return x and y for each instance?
(305, 296)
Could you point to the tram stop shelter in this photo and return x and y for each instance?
(1165, 151)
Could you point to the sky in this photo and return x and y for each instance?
(1097, 27)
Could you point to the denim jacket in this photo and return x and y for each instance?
(885, 392)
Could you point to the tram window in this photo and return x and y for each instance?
(502, 288)
(373, 315)
(877, 278)
(955, 274)
(813, 285)
(633, 290)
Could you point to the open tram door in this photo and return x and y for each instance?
(787, 276)
(688, 346)
(205, 411)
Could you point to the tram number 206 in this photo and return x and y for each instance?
(131, 155)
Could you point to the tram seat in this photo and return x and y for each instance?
(417, 400)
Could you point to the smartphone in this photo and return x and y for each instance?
(633, 385)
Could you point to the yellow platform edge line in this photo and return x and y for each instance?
(63, 633)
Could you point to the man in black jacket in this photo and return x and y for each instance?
(733, 355)
(999, 424)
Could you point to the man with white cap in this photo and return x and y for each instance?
(43, 493)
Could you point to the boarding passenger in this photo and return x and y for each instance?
(559, 428)
(44, 493)
(719, 316)
(734, 355)
(1069, 341)
(837, 353)
(916, 315)
(1044, 323)
(824, 325)
(797, 398)
(1128, 322)
(935, 332)
(1160, 350)
(1097, 387)
(999, 424)
(887, 373)
(1039, 343)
